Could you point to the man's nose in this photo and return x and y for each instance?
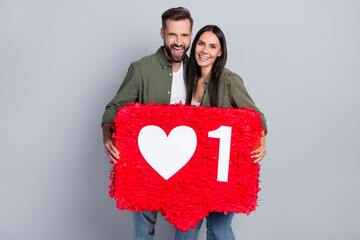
(178, 40)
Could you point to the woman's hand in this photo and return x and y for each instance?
(259, 153)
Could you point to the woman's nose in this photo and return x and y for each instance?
(204, 50)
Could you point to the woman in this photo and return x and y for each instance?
(210, 84)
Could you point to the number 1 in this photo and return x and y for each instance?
(224, 134)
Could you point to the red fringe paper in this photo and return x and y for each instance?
(190, 194)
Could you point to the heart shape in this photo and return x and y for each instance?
(167, 154)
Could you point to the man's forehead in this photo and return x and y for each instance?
(178, 25)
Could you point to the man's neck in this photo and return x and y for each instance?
(176, 66)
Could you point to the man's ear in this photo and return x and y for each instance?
(162, 34)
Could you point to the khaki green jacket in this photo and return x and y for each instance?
(147, 80)
(231, 92)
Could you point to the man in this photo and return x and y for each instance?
(158, 78)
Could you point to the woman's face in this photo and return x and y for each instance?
(207, 49)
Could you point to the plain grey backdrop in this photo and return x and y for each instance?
(61, 62)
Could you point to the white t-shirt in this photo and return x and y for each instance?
(194, 103)
(178, 88)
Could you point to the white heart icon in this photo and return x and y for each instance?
(167, 154)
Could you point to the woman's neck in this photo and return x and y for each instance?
(205, 72)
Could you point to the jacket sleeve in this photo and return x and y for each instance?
(127, 93)
(240, 97)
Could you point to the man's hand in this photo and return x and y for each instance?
(259, 153)
(109, 146)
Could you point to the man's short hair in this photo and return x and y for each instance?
(176, 14)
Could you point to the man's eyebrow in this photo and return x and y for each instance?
(183, 34)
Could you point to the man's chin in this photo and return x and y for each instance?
(177, 59)
(174, 58)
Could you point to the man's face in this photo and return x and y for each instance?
(177, 37)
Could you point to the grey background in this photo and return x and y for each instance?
(62, 61)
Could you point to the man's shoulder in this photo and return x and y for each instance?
(147, 61)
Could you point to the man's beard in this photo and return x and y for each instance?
(175, 58)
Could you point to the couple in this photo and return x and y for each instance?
(169, 76)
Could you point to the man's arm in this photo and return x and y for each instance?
(127, 93)
(109, 146)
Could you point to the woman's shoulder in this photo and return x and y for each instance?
(229, 76)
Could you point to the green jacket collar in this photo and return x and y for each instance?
(207, 80)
